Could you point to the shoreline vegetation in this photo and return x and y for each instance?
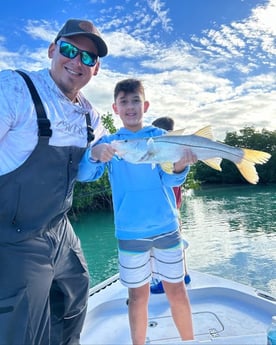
(91, 196)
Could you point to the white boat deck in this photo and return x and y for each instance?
(224, 312)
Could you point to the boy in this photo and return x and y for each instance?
(145, 213)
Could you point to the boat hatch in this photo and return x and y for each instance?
(206, 324)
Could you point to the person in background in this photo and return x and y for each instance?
(145, 213)
(167, 123)
(43, 273)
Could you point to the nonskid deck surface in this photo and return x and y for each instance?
(219, 313)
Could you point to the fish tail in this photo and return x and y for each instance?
(255, 156)
(247, 165)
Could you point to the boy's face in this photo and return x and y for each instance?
(131, 108)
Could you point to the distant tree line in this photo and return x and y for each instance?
(97, 195)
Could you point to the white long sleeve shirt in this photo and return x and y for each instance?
(18, 119)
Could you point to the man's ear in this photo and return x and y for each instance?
(51, 50)
(96, 68)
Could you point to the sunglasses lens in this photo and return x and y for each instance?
(68, 50)
(88, 59)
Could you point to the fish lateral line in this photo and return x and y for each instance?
(254, 156)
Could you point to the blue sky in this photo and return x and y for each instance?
(202, 61)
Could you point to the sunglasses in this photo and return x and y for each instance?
(70, 51)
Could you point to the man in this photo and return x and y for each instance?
(43, 274)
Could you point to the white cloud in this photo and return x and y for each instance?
(125, 45)
(252, 39)
(162, 15)
(41, 29)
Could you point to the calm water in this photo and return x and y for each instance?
(231, 232)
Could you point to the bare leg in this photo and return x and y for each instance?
(180, 308)
(138, 313)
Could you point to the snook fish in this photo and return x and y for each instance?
(169, 148)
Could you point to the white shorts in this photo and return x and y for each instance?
(159, 257)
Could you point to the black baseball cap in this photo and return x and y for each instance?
(83, 27)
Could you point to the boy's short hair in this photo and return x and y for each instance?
(164, 122)
(129, 86)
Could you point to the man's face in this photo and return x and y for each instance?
(71, 74)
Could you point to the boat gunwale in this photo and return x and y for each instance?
(104, 284)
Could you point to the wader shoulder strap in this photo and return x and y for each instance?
(90, 134)
(43, 122)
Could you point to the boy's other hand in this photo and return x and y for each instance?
(188, 158)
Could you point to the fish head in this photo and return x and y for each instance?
(131, 150)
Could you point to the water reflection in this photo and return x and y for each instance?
(232, 233)
(251, 208)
